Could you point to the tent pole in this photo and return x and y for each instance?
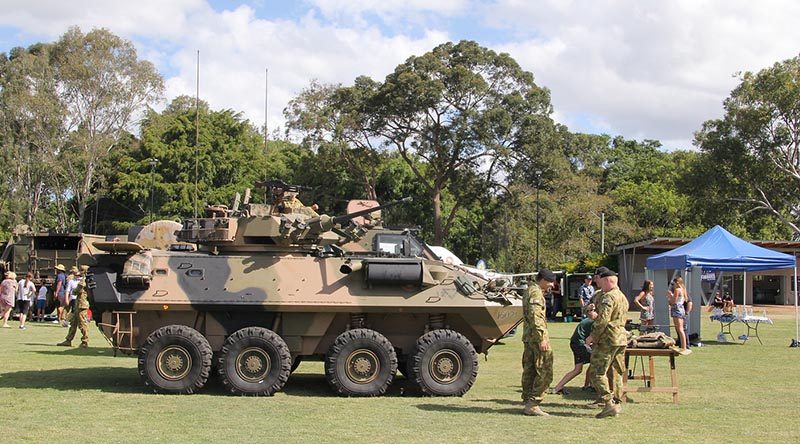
(744, 291)
(796, 318)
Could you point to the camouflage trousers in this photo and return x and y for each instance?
(603, 358)
(537, 372)
(78, 320)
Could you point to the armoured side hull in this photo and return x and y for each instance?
(306, 300)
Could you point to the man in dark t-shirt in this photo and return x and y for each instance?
(581, 354)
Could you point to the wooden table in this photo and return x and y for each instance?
(650, 378)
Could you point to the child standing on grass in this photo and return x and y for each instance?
(41, 301)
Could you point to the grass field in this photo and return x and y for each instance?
(728, 393)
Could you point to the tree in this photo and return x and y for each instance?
(459, 108)
(335, 118)
(230, 155)
(102, 85)
(762, 126)
(32, 131)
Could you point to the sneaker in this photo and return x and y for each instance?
(65, 344)
(84, 345)
(685, 352)
(22, 327)
(609, 409)
(552, 391)
(54, 321)
(6, 326)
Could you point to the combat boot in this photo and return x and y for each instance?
(65, 344)
(84, 344)
(596, 405)
(610, 409)
(532, 409)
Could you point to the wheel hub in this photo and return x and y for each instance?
(445, 366)
(173, 363)
(363, 366)
(253, 364)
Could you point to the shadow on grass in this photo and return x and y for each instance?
(715, 343)
(516, 411)
(105, 379)
(77, 351)
(316, 385)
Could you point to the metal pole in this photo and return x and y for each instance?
(153, 163)
(266, 101)
(603, 233)
(538, 185)
(196, 131)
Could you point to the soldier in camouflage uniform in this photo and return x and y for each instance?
(79, 313)
(609, 340)
(537, 358)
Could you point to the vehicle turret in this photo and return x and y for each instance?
(284, 225)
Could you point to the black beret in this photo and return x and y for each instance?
(604, 272)
(546, 274)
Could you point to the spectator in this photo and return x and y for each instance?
(8, 290)
(585, 293)
(70, 296)
(646, 303)
(41, 301)
(60, 291)
(676, 296)
(26, 292)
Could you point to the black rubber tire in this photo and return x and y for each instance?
(361, 362)
(176, 343)
(266, 350)
(444, 363)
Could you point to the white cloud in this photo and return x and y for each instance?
(640, 69)
(648, 69)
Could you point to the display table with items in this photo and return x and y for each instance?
(649, 345)
(746, 317)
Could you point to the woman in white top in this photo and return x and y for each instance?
(26, 291)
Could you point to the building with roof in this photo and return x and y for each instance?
(767, 287)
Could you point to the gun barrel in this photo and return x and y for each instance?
(346, 217)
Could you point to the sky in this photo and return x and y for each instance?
(642, 69)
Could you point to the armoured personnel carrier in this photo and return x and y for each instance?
(275, 283)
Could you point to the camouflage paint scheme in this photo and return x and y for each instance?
(269, 269)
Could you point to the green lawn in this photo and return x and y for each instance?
(728, 392)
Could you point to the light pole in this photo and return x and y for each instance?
(153, 162)
(538, 185)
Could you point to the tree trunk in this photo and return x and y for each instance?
(438, 235)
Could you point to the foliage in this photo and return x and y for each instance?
(229, 156)
(761, 130)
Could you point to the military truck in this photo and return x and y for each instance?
(40, 252)
(273, 283)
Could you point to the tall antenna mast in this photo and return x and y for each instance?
(266, 99)
(196, 131)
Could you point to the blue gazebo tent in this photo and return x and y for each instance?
(719, 250)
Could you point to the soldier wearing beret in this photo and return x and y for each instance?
(537, 357)
(609, 340)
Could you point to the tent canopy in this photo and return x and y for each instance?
(719, 250)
